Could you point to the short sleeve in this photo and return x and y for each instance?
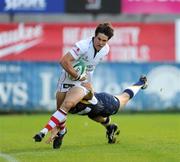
(75, 52)
(79, 49)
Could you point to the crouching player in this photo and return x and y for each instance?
(99, 107)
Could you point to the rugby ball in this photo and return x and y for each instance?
(79, 67)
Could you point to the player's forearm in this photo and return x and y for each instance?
(67, 66)
(66, 63)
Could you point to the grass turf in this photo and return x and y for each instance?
(143, 138)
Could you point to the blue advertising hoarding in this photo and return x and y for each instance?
(31, 86)
(32, 6)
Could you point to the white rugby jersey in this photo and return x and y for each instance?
(85, 50)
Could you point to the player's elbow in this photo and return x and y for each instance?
(61, 61)
(64, 63)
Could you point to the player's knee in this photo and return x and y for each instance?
(69, 104)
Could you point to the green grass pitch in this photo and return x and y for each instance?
(143, 138)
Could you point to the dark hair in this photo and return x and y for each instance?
(105, 28)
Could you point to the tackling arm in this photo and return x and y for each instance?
(89, 87)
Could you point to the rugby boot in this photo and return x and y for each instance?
(112, 132)
(143, 79)
(38, 137)
(58, 140)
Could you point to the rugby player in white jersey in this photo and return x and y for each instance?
(69, 92)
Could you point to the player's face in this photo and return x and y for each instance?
(100, 41)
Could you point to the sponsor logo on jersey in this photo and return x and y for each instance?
(76, 50)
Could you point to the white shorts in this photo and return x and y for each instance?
(64, 84)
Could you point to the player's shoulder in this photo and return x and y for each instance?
(84, 43)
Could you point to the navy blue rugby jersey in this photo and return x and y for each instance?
(107, 105)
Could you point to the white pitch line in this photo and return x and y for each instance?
(32, 152)
(8, 157)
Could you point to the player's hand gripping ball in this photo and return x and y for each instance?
(80, 68)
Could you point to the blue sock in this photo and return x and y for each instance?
(130, 92)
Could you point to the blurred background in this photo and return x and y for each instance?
(35, 34)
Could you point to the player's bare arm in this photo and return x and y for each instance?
(66, 63)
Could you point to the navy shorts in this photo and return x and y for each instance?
(107, 105)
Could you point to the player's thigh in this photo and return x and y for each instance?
(74, 95)
(60, 96)
(123, 98)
